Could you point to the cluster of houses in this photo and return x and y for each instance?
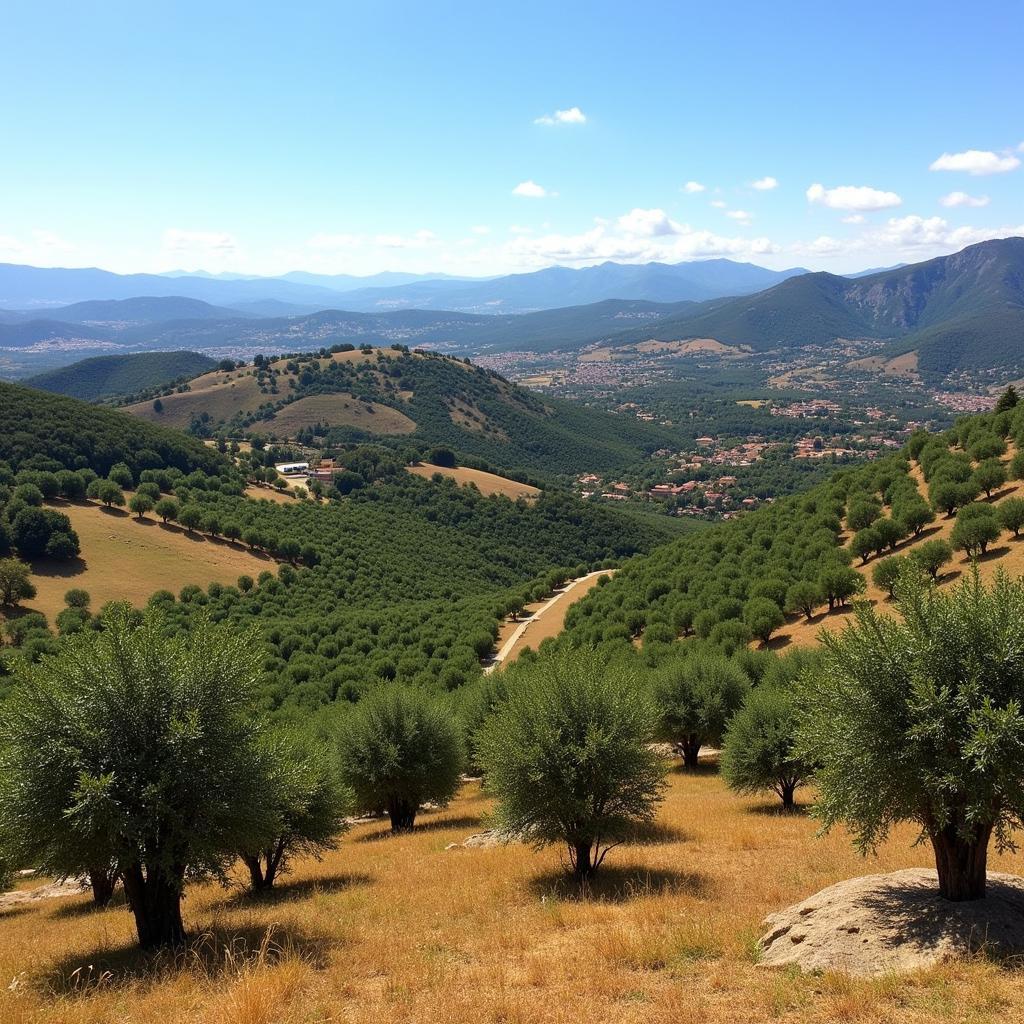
(815, 407)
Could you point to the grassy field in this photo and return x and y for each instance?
(404, 930)
(124, 559)
(339, 411)
(487, 483)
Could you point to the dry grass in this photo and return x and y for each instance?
(486, 483)
(340, 410)
(127, 560)
(399, 929)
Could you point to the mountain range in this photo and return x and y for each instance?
(36, 288)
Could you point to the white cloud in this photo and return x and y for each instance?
(855, 218)
(647, 223)
(694, 186)
(824, 245)
(481, 229)
(963, 199)
(40, 248)
(852, 197)
(765, 184)
(976, 162)
(719, 204)
(740, 215)
(571, 116)
(531, 190)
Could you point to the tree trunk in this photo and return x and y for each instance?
(257, 880)
(402, 814)
(102, 879)
(691, 751)
(155, 902)
(961, 862)
(582, 859)
(786, 790)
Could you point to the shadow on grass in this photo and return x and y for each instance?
(775, 809)
(708, 766)
(219, 952)
(776, 643)
(430, 825)
(656, 833)
(115, 513)
(87, 907)
(615, 884)
(60, 569)
(300, 889)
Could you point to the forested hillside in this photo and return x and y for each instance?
(109, 376)
(413, 398)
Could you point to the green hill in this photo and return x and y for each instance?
(108, 376)
(408, 398)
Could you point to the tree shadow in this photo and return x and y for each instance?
(114, 513)
(432, 825)
(144, 521)
(58, 569)
(216, 952)
(996, 495)
(707, 766)
(777, 643)
(775, 809)
(69, 910)
(615, 884)
(656, 833)
(994, 553)
(300, 889)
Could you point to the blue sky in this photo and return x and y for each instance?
(351, 137)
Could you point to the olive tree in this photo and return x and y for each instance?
(696, 696)
(15, 582)
(567, 754)
(309, 802)
(920, 719)
(931, 556)
(758, 751)
(399, 747)
(135, 750)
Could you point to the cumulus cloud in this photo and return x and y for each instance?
(976, 161)
(639, 236)
(694, 186)
(765, 184)
(531, 190)
(852, 197)
(571, 116)
(963, 199)
(740, 215)
(719, 204)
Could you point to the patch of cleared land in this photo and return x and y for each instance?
(486, 483)
(339, 410)
(399, 929)
(754, 403)
(900, 366)
(126, 560)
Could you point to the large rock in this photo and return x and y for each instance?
(896, 922)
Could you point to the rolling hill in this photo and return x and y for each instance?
(405, 397)
(108, 376)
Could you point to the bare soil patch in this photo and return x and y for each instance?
(487, 483)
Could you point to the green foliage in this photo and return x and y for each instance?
(759, 752)
(140, 504)
(887, 572)
(804, 596)
(400, 747)
(167, 509)
(919, 719)
(976, 527)
(136, 749)
(567, 755)
(989, 476)
(15, 582)
(931, 556)
(1007, 400)
(1011, 515)
(696, 696)
(309, 803)
(762, 617)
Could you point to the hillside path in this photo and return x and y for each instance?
(547, 620)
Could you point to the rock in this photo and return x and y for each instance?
(490, 837)
(892, 923)
(54, 890)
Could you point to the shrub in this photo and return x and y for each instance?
(920, 720)
(804, 596)
(887, 572)
(974, 530)
(167, 509)
(1011, 515)
(399, 748)
(309, 803)
(140, 504)
(696, 697)
(77, 598)
(762, 617)
(759, 748)
(567, 755)
(989, 476)
(15, 584)
(931, 556)
(135, 749)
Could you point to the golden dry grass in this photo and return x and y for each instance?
(126, 560)
(486, 483)
(400, 929)
(340, 410)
